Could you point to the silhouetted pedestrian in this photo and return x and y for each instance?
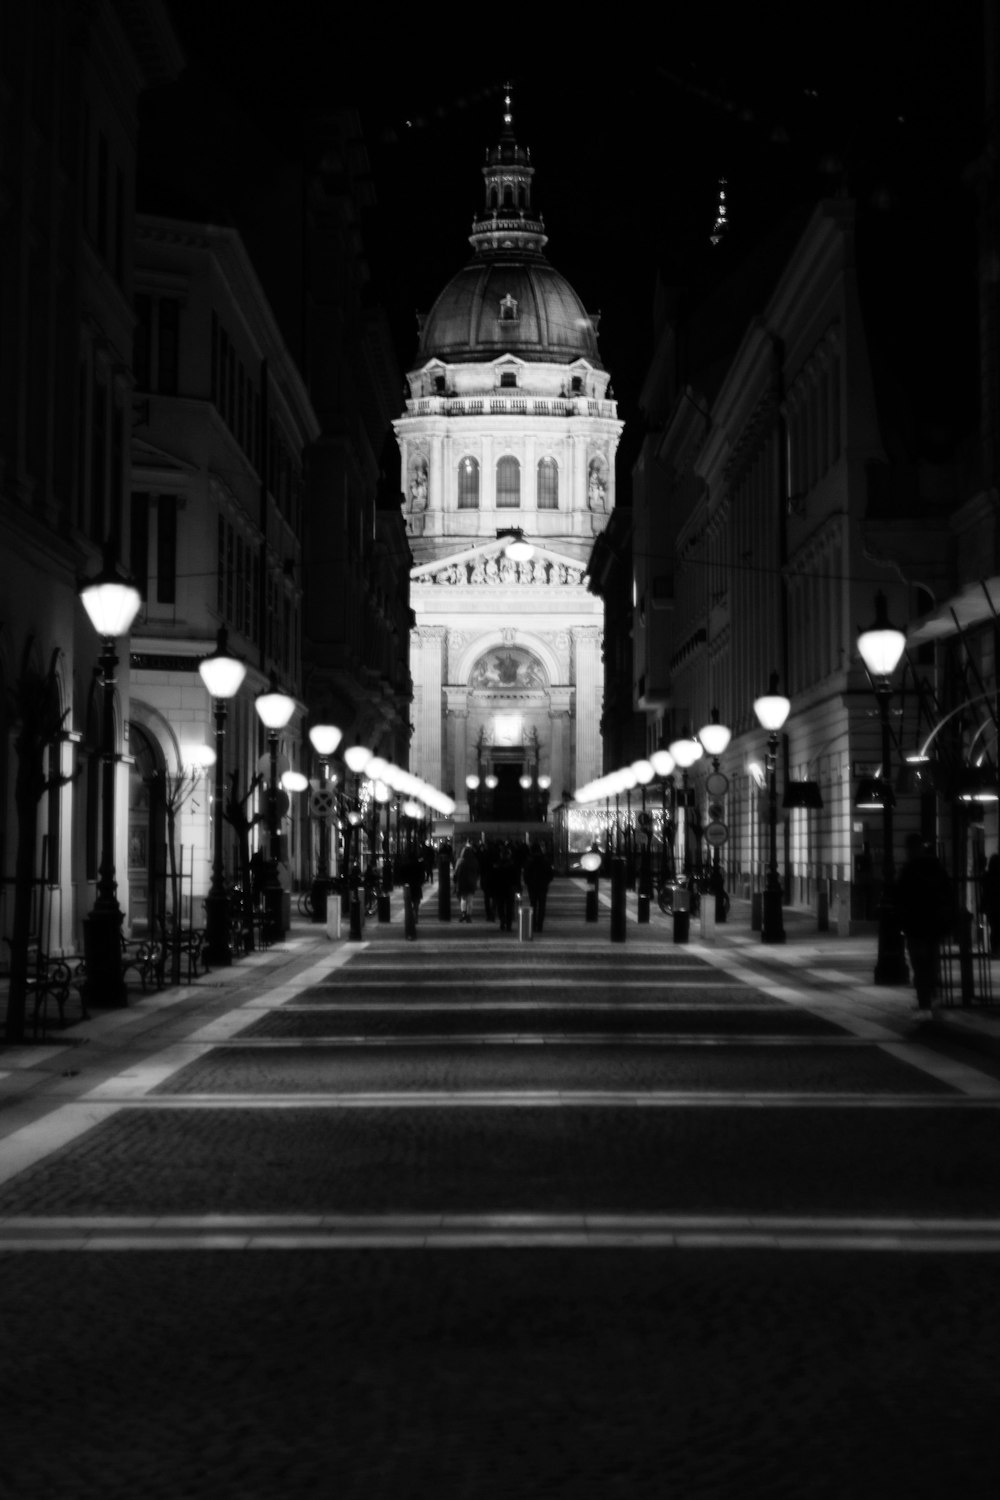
(506, 884)
(991, 901)
(538, 874)
(466, 881)
(927, 914)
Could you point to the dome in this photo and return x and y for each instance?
(509, 305)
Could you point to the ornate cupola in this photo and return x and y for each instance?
(507, 222)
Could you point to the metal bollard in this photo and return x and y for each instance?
(618, 886)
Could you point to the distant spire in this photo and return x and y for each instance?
(507, 221)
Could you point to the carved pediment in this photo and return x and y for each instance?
(489, 566)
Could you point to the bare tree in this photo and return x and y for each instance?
(177, 790)
(243, 822)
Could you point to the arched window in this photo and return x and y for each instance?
(548, 484)
(468, 484)
(508, 484)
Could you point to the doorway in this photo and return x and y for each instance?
(146, 832)
(508, 799)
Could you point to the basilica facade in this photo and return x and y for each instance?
(507, 447)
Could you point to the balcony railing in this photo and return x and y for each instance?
(512, 405)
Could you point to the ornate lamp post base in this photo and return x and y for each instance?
(218, 946)
(890, 964)
(102, 951)
(772, 929)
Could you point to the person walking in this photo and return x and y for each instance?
(927, 914)
(991, 901)
(466, 881)
(538, 874)
(506, 884)
(486, 856)
(411, 877)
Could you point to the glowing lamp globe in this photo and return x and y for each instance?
(325, 738)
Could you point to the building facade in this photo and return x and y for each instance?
(770, 522)
(70, 81)
(510, 427)
(222, 427)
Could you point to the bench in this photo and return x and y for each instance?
(189, 947)
(52, 979)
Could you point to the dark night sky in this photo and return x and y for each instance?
(628, 136)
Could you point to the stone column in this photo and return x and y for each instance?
(435, 473)
(578, 444)
(457, 764)
(589, 700)
(561, 771)
(487, 476)
(427, 661)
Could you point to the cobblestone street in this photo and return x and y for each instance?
(479, 1217)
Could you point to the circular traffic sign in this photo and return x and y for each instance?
(321, 802)
(716, 784)
(716, 833)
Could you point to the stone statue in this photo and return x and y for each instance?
(597, 489)
(418, 488)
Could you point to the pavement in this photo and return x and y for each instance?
(817, 968)
(476, 1216)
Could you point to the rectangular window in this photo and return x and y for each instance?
(248, 592)
(85, 198)
(215, 360)
(166, 550)
(118, 231)
(81, 450)
(117, 480)
(168, 350)
(220, 566)
(142, 340)
(508, 483)
(139, 541)
(223, 401)
(230, 552)
(548, 484)
(98, 459)
(102, 193)
(238, 619)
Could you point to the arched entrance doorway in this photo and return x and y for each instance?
(146, 832)
(508, 717)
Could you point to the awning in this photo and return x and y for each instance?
(971, 607)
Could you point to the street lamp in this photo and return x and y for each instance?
(517, 548)
(644, 774)
(591, 863)
(112, 603)
(223, 674)
(685, 752)
(324, 739)
(881, 647)
(472, 785)
(715, 737)
(772, 710)
(356, 758)
(663, 764)
(274, 709)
